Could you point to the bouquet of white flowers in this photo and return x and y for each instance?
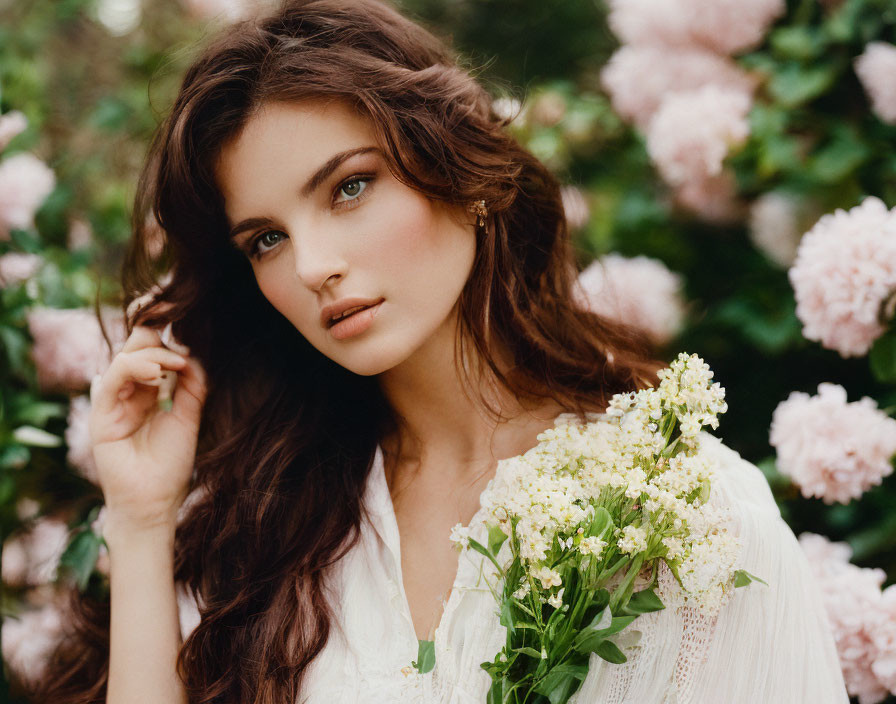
(576, 519)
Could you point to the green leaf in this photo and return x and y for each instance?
(531, 652)
(800, 42)
(480, 548)
(592, 636)
(495, 693)
(842, 155)
(507, 616)
(742, 578)
(496, 538)
(14, 456)
(36, 437)
(793, 85)
(610, 652)
(426, 656)
(80, 556)
(561, 681)
(882, 357)
(643, 602)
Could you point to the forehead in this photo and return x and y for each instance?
(285, 141)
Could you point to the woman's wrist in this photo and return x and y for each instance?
(124, 531)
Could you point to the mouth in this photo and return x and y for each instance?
(349, 312)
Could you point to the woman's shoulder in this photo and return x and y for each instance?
(738, 484)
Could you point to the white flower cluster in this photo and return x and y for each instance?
(629, 465)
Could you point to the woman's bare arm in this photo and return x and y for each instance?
(144, 630)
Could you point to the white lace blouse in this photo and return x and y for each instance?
(768, 645)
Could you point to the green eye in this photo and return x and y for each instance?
(354, 188)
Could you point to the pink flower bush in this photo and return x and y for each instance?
(575, 207)
(16, 267)
(832, 449)
(29, 638)
(726, 26)
(80, 235)
(713, 199)
(845, 269)
(11, 124)
(25, 182)
(775, 226)
(639, 291)
(882, 631)
(77, 437)
(875, 69)
(693, 131)
(227, 10)
(31, 558)
(638, 78)
(68, 345)
(856, 611)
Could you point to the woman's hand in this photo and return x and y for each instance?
(145, 455)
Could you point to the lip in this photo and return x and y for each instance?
(344, 304)
(356, 323)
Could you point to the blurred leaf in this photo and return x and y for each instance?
(15, 344)
(25, 240)
(799, 42)
(36, 437)
(793, 85)
(80, 556)
(882, 357)
(111, 114)
(14, 456)
(839, 157)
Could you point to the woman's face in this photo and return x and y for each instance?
(316, 210)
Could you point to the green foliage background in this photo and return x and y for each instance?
(93, 100)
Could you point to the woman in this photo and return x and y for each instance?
(331, 156)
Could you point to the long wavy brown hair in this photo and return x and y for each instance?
(288, 436)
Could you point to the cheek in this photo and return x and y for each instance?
(278, 284)
(416, 244)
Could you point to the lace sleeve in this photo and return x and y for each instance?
(768, 643)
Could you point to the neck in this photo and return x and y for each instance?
(443, 429)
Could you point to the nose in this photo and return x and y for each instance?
(317, 260)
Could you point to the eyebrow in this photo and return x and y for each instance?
(313, 183)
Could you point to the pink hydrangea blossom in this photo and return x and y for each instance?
(875, 68)
(16, 267)
(575, 207)
(80, 235)
(11, 124)
(693, 131)
(639, 291)
(726, 26)
(852, 599)
(832, 449)
(25, 182)
(68, 345)
(882, 631)
(713, 199)
(31, 558)
(775, 226)
(844, 270)
(29, 638)
(639, 77)
(77, 437)
(227, 10)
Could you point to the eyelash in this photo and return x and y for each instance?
(252, 246)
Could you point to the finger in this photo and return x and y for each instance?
(140, 337)
(143, 366)
(190, 393)
(171, 343)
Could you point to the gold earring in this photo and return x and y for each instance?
(481, 212)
